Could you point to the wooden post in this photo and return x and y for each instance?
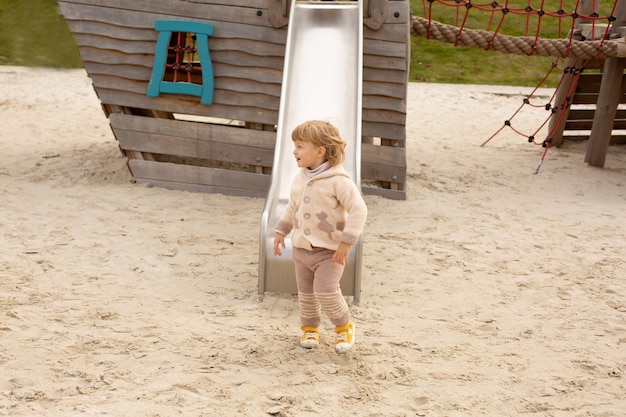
(278, 12)
(611, 90)
(374, 13)
(558, 119)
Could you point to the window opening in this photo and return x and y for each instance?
(182, 61)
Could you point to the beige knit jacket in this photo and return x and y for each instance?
(323, 211)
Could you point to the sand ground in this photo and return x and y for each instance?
(490, 291)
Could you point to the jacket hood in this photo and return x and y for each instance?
(330, 172)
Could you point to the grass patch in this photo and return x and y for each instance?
(34, 34)
(438, 62)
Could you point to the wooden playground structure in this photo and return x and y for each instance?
(224, 141)
(591, 104)
(586, 103)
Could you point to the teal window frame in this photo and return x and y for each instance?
(157, 85)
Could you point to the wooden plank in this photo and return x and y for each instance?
(587, 114)
(112, 31)
(398, 12)
(113, 58)
(589, 84)
(581, 114)
(383, 116)
(248, 86)
(588, 90)
(201, 131)
(381, 12)
(125, 46)
(392, 90)
(383, 130)
(384, 62)
(590, 78)
(181, 146)
(592, 98)
(186, 10)
(96, 34)
(263, 75)
(236, 58)
(145, 20)
(116, 83)
(383, 155)
(125, 3)
(182, 104)
(584, 99)
(385, 48)
(594, 64)
(575, 137)
(110, 15)
(616, 140)
(385, 192)
(586, 86)
(378, 102)
(201, 188)
(144, 171)
(587, 124)
(129, 72)
(257, 100)
(392, 33)
(385, 75)
(254, 47)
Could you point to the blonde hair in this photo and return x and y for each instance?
(322, 134)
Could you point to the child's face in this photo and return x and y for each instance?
(308, 155)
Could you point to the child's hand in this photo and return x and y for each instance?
(341, 254)
(279, 240)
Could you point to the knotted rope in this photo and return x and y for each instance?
(521, 45)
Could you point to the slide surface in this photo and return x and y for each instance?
(322, 79)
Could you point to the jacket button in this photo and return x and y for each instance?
(307, 216)
(310, 183)
(307, 232)
(307, 199)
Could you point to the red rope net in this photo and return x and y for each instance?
(534, 19)
(182, 56)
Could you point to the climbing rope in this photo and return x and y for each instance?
(521, 45)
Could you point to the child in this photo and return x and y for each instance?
(327, 215)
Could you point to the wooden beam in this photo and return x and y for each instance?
(611, 88)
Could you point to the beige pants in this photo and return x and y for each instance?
(317, 277)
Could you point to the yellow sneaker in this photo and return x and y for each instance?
(345, 337)
(310, 337)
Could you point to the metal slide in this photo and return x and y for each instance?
(322, 79)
